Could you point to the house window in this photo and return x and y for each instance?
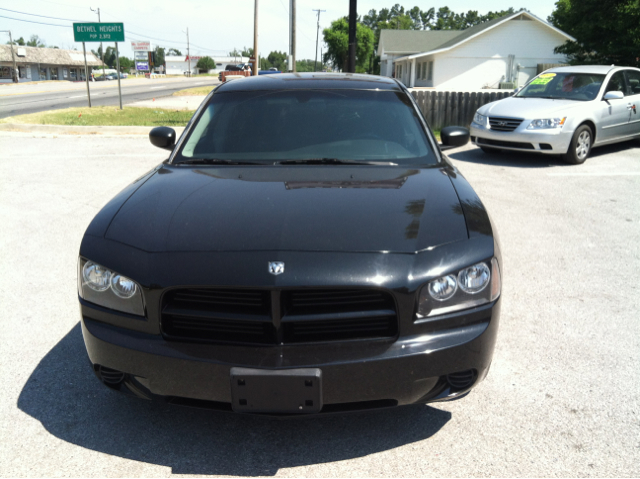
(23, 72)
(5, 72)
(424, 71)
(430, 71)
(54, 73)
(73, 74)
(399, 72)
(43, 73)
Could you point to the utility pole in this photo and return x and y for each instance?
(188, 53)
(315, 63)
(101, 50)
(353, 14)
(292, 33)
(14, 77)
(255, 39)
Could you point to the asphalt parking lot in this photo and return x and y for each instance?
(562, 397)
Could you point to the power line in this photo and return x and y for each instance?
(43, 16)
(31, 21)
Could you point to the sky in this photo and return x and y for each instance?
(215, 26)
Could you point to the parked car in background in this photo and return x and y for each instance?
(306, 248)
(564, 111)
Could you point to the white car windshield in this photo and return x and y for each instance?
(563, 86)
(350, 125)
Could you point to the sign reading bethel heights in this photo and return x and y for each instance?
(98, 32)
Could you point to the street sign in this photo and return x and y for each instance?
(98, 32)
(142, 56)
(141, 46)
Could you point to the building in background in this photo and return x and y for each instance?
(506, 50)
(35, 64)
(179, 65)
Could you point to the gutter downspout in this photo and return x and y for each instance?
(412, 80)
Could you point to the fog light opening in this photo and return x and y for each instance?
(111, 377)
(462, 379)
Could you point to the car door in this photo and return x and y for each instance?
(633, 103)
(614, 114)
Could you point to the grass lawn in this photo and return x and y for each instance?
(199, 90)
(105, 116)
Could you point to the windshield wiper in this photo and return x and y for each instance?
(334, 161)
(217, 161)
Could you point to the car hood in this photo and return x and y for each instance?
(297, 208)
(529, 108)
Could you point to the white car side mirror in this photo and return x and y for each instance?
(613, 95)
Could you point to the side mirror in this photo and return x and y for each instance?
(613, 95)
(163, 137)
(453, 137)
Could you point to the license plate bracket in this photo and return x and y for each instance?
(284, 391)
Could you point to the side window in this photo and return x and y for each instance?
(616, 83)
(633, 79)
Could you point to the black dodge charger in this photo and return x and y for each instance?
(305, 248)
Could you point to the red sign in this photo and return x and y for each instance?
(192, 58)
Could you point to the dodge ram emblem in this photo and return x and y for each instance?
(276, 267)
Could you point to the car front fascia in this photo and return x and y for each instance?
(405, 369)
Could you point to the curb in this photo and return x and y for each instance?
(81, 130)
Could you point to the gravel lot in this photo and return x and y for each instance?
(562, 398)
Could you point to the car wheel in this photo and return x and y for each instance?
(490, 151)
(580, 146)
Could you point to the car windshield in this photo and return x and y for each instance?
(312, 125)
(563, 86)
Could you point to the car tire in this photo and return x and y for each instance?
(490, 151)
(580, 146)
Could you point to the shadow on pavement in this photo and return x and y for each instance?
(532, 160)
(64, 395)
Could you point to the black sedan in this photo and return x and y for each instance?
(305, 248)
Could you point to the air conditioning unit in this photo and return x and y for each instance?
(507, 85)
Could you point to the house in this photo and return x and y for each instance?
(507, 49)
(44, 63)
(179, 65)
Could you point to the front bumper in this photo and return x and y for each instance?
(356, 374)
(551, 142)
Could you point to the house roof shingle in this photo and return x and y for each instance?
(47, 56)
(420, 41)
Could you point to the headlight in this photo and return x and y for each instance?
(465, 289)
(546, 123)
(480, 119)
(107, 288)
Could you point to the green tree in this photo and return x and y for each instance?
(126, 64)
(205, 64)
(19, 41)
(174, 52)
(606, 31)
(277, 60)
(337, 39)
(247, 52)
(36, 41)
(110, 57)
(159, 56)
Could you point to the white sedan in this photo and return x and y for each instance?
(564, 111)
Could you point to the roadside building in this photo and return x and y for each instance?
(179, 65)
(36, 64)
(506, 50)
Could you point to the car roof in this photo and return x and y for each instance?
(310, 81)
(597, 69)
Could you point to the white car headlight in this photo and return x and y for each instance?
(463, 290)
(480, 119)
(107, 288)
(546, 123)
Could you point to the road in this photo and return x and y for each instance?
(561, 399)
(24, 98)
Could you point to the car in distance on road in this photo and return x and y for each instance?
(305, 248)
(564, 111)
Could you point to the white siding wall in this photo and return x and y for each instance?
(482, 61)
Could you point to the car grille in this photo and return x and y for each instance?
(248, 316)
(506, 144)
(504, 124)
